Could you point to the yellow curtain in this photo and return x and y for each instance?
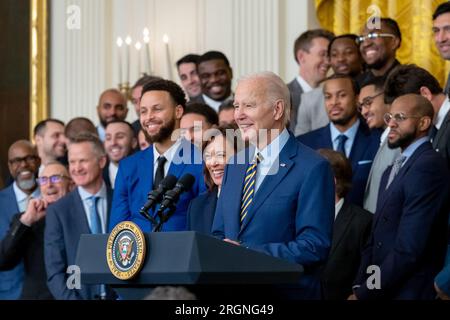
(413, 17)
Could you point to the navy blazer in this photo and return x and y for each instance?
(65, 222)
(10, 281)
(201, 211)
(292, 213)
(409, 233)
(363, 151)
(135, 179)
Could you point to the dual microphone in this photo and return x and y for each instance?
(167, 194)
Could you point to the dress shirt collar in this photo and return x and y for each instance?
(413, 147)
(305, 85)
(102, 193)
(338, 207)
(445, 108)
(169, 154)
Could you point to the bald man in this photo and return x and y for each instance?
(23, 164)
(25, 238)
(408, 240)
(112, 105)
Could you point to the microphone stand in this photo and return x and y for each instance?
(164, 217)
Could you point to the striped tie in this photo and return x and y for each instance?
(249, 187)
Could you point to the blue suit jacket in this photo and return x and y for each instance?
(10, 281)
(409, 233)
(65, 222)
(292, 213)
(363, 151)
(135, 179)
(201, 212)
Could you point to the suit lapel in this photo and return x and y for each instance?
(272, 181)
(236, 176)
(326, 137)
(177, 168)
(398, 179)
(145, 173)
(359, 146)
(442, 131)
(79, 214)
(341, 224)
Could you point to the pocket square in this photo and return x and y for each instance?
(364, 162)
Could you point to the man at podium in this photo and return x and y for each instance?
(277, 195)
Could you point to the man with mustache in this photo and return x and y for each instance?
(345, 57)
(25, 237)
(112, 105)
(408, 240)
(346, 132)
(215, 75)
(119, 143)
(378, 48)
(23, 163)
(162, 106)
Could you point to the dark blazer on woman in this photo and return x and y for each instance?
(201, 210)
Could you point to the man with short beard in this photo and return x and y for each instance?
(346, 132)
(409, 235)
(378, 48)
(112, 105)
(50, 141)
(23, 163)
(161, 108)
(119, 143)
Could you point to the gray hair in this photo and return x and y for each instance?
(275, 89)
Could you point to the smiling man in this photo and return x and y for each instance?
(162, 106)
(119, 143)
(24, 240)
(346, 132)
(345, 57)
(441, 32)
(215, 75)
(112, 105)
(50, 141)
(23, 163)
(378, 48)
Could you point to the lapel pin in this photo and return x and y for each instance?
(283, 165)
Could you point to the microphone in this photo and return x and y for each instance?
(155, 196)
(171, 197)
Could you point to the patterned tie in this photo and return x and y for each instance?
(95, 222)
(159, 176)
(395, 169)
(249, 187)
(341, 143)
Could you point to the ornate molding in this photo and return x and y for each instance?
(38, 62)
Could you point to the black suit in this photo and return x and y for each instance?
(201, 211)
(27, 243)
(350, 232)
(441, 142)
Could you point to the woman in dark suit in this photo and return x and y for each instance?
(218, 149)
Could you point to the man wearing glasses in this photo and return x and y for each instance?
(372, 107)
(23, 164)
(378, 48)
(25, 238)
(407, 241)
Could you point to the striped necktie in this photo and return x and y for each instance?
(249, 187)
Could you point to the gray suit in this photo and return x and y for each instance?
(441, 142)
(311, 112)
(383, 159)
(296, 91)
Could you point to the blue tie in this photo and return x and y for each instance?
(341, 143)
(95, 222)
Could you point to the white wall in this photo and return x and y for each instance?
(256, 35)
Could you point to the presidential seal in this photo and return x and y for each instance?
(125, 250)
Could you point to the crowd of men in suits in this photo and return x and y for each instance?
(347, 175)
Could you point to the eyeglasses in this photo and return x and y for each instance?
(398, 117)
(373, 35)
(28, 159)
(57, 178)
(367, 102)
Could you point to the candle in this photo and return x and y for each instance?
(169, 64)
(138, 47)
(148, 66)
(119, 43)
(127, 58)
